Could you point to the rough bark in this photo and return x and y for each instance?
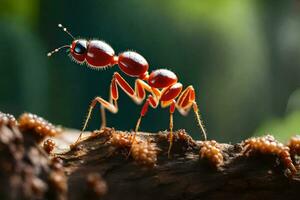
(184, 176)
(98, 168)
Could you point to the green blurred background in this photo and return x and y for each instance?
(243, 58)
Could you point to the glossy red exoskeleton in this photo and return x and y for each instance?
(162, 84)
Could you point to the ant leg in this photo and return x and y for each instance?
(153, 102)
(104, 104)
(172, 109)
(168, 96)
(141, 87)
(111, 106)
(184, 103)
(139, 92)
(137, 95)
(200, 123)
(103, 117)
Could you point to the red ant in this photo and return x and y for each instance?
(161, 83)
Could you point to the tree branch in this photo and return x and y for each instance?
(100, 165)
(184, 176)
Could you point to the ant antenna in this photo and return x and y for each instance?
(56, 50)
(65, 30)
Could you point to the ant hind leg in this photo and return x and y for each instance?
(199, 121)
(184, 103)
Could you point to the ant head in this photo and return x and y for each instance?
(78, 50)
(64, 46)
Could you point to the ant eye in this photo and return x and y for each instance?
(80, 47)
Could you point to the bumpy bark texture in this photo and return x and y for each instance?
(184, 176)
(100, 167)
(26, 171)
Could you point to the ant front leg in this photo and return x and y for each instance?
(112, 106)
(137, 95)
(184, 103)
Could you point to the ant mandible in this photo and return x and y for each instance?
(161, 83)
